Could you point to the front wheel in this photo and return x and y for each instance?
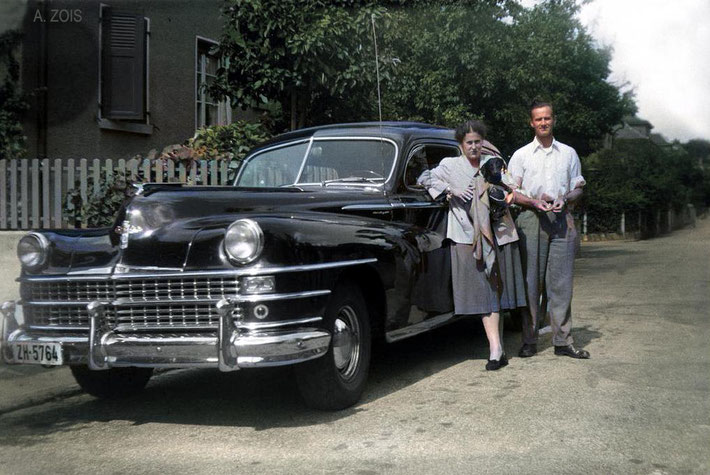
(114, 383)
(337, 379)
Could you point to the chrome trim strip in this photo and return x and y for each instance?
(417, 328)
(128, 302)
(271, 297)
(63, 303)
(94, 270)
(192, 339)
(21, 337)
(393, 205)
(230, 272)
(133, 327)
(282, 323)
(122, 268)
(373, 207)
(58, 328)
(422, 204)
(303, 162)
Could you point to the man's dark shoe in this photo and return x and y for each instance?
(527, 350)
(571, 351)
(493, 365)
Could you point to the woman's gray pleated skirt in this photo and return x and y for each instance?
(475, 293)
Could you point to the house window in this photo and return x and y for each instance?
(208, 111)
(123, 76)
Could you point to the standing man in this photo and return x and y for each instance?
(548, 170)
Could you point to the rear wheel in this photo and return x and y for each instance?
(114, 383)
(337, 379)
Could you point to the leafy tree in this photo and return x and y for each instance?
(698, 149)
(553, 57)
(297, 53)
(490, 59)
(12, 101)
(638, 177)
(441, 61)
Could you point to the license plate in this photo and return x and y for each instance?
(38, 353)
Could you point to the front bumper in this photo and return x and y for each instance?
(229, 349)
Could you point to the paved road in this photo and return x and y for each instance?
(640, 405)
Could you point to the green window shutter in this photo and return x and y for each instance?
(123, 66)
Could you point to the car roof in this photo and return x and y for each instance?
(394, 130)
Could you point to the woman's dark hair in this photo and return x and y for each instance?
(470, 126)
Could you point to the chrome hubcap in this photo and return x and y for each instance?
(346, 342)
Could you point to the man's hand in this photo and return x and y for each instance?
(464, 195)
(559, 204)
(541, 205)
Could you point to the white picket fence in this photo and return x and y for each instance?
(33, 191)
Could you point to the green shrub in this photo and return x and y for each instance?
(104, 199)
(227, 142)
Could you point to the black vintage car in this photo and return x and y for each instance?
(324, 243)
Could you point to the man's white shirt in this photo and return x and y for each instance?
(554, 171)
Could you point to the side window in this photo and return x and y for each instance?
(123, 73)
(424, 158)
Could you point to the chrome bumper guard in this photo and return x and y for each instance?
(231, 349)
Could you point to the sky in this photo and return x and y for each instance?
(662, 50)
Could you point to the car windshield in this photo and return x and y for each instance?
(323, 161)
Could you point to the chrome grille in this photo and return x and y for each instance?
(144, 304)
(194, 288)
(58, 316)
(70, 291)
(168, 316)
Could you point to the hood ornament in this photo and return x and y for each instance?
(125, 230)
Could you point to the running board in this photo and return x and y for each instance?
(417, 328)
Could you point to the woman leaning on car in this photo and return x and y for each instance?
(485, 262)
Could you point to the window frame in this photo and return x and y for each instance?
(310, 141)
(223, 106)
(414, 150)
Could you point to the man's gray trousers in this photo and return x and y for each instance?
(548, 243)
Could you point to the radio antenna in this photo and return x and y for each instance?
(379, 98)
(377, 69)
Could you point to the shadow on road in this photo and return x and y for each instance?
(591, 252)
(262, 399)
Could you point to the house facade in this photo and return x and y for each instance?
(117, 78)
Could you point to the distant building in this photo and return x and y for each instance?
(115, 78)
(635, 128)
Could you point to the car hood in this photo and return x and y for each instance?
(163, 226)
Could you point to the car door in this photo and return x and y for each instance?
(425, 218)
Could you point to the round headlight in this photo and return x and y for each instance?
(244, 241)
(32, 250)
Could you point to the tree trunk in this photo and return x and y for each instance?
(302, 109)
(294, 112)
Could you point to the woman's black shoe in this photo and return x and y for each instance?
(493, 365)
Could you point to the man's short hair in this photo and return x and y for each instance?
(470, 126)
(537, 103)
